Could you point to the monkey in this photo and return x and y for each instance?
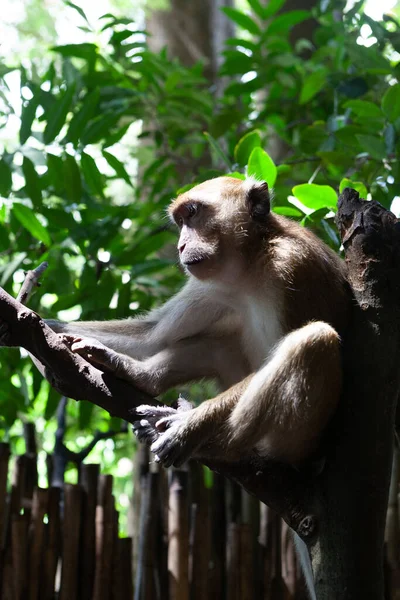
(263, 311)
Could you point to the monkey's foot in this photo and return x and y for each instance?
(92, 350)
(166, 429)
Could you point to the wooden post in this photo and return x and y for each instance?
(178, 536)
(53, 546)
(70, 542)
(19, 544)
(36, 541)
(104, 539)
(89, 475)
(199, 534)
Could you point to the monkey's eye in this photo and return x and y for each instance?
(191, 209)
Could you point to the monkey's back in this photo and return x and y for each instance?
(312, 276)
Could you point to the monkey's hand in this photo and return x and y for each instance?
(93, 351)
(168, 432)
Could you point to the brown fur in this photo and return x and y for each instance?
(261, 312)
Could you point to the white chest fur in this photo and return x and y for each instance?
(261, 328)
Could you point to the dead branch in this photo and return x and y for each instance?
(67, 372)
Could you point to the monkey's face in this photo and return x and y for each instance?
(199, 244)
(213, 219)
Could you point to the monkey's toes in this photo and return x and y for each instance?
(170, 450)
(155, 412)
(184, 405)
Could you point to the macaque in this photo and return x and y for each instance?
(261, 313)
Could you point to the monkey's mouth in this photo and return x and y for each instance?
(194, 261)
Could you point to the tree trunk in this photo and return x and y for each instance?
(192, 32)
(352, 492)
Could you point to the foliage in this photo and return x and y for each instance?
(109, 132)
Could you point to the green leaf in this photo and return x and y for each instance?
(363, 108)
(31, 223)
(257, 8)
(92, 175)
(312, 84)
(78, 10)
(282, 23)
(287, 211)
(373, 145)
(57, 115)
(72, 179)
(262, 166)
(27, 117)
(55, 173)
(272, 8)
(245, 146)
(5, 178)
(32, 182)
(391, 103)
(144, 248)
(356, 185)
(85, 413)
(217, 148)
(244, 21)
(117, 166)
(316, 196)
(100, 128)
(235, 175)
(83, 116)
(85, 50)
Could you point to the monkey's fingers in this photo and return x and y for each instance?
(96, 353)
(145, 432)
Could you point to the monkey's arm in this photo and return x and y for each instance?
(188, 313)
(281, 411)
(215, 356)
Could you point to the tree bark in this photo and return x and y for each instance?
(192, 32)
(352, 492)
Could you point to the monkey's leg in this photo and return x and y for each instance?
(281, 411)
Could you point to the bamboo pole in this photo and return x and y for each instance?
(19, 544)
(104, 539)
(53, 546)
(36, 541)
(178, 536)
(217, 583)
(4, 460)
(246, 549)
(89, 476)
(199, 534)
(70, 542)
(233, 562)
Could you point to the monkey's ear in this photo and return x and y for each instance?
(258, 201)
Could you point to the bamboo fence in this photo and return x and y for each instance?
(192, 540)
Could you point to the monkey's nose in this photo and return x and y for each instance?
(181, 248)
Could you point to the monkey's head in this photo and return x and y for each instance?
(215, 219)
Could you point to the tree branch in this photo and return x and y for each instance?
(67, 372)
